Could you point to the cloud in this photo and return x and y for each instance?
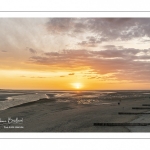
(123, 64)
(112, 47)
(120, 28)
(91, 77)
(107, 29)
(31, 50)
(4, 51)
(38, 77)
(57, 25)
(145, 40)
(23, 76)
(52, 54)
(62, 76)
(91, 41)
(71, 74)
(41, 77)
(64, 25)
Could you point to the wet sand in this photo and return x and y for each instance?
(48, 115)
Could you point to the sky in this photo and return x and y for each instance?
(75, 53)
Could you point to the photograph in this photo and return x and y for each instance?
(74, 74)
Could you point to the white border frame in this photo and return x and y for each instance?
(72, 135)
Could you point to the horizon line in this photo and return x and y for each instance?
(81, 90)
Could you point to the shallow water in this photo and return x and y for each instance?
(13, 98)
(18, 100)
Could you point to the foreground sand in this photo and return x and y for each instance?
(52, 116)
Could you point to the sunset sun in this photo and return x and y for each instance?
(77, 85)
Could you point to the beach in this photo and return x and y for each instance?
(49, 115)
